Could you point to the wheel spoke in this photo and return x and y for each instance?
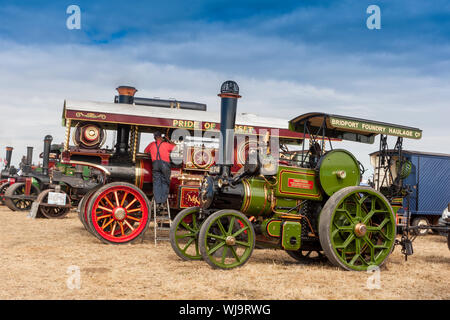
(134, 210)
(107, 224)
(113, 228)
(217, 247)
(244, 244)
(240, 231)
(222, 229)
(121, 228)
(215, 236)
(235, 254)
(224, 254)
(128, 224)
(106, 209)
(104, 216)
(185, 235)
(131, 203)
(116, 196)
(186, 226)
(109, 202)
(123, 199)
(188, 244)
(230, 227)
(346, 242)
(133, 218)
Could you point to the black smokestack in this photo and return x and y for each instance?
(126, 95)
(29, 155)
(8, 156)
(46, 156)
(229, 94)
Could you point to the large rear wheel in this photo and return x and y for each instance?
(357, 228)
(118, 213)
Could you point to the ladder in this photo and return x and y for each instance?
(162, 221)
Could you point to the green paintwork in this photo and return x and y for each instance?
(256, 197)
(271, 228)
(368, 207)
(332, 164)
(297, 183)
(291, 230)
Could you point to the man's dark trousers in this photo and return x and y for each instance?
(161, 180)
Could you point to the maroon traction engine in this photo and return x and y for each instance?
(118, 210)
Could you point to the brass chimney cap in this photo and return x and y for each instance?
(126, 91)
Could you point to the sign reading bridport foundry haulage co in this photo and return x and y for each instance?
(375, 128)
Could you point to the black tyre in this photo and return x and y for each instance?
(82, 208)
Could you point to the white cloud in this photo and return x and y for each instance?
(36, 80)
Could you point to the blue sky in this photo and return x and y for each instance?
(289, 57)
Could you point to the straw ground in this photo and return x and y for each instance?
(38, 257)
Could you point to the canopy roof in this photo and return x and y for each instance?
(150, 118)
(349, 128)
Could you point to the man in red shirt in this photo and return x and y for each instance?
(160, 153)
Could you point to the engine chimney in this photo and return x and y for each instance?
(8, 157)
(126, 95)
(229, 94)
(29, 155)
(46, 156)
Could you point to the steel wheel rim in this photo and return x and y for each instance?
(217, 237)
(355, 249)
(119, 214)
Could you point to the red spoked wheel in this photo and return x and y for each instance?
(118, 213)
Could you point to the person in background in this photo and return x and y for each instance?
(159, 151)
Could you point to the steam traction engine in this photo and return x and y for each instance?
(310, 205)
(117, 209)
(24, 185)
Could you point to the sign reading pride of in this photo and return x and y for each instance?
(375, 128)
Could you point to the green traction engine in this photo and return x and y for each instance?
(311, 205)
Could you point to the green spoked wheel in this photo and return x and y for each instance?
(184, 234)
(226, 239)
(357, 228)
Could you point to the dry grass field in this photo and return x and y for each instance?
(36, 256)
